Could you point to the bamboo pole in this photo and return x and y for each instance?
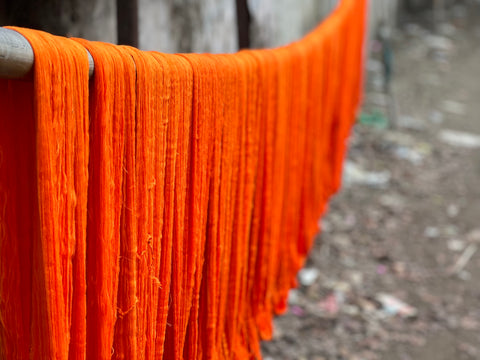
(16, 55)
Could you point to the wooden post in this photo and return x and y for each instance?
(243, 24)
(127, 22)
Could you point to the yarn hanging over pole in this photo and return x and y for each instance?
(161, 208)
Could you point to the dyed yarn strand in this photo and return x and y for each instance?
(161, 209)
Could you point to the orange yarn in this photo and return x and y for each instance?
(163, 208)
(44, 147)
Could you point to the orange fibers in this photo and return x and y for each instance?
(161, 209)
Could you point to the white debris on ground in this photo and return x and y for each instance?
(460, 138)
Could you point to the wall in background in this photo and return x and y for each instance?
(185, 25)
(279, 22)
(90, 19)
(188, 25)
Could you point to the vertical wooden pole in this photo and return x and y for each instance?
(243, 24)
(127, 22)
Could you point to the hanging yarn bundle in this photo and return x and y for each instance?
(161, 209)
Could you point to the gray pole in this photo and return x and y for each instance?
(16, 55)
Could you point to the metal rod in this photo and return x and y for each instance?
(16, 55)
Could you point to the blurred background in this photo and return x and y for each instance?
(184, 25)
(394, 273)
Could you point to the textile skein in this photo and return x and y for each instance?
(162, 208)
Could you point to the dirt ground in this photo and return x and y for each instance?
(394, 274)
